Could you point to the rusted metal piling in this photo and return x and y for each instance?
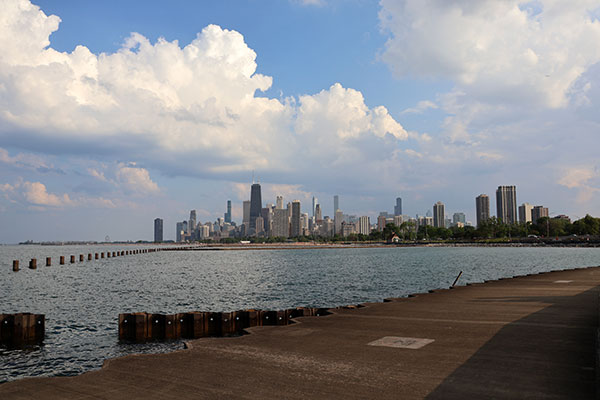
(101, 255)
(48, 261)
(142, 327)
(15, 265)
(72, 259)
(96, 256)
(62, 260)
(33, 263)
(22, 328)
(89, 256)
(81, 258)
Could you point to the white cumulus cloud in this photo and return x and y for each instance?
(507, 50)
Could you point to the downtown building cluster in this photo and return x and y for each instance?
(507, 211)
(286, 220)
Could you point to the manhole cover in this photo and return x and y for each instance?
(401, 342)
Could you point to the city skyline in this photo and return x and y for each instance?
(115, 113)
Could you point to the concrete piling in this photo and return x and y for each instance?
(141, 327)
(62, 260)
(33, 263)
(15, 265)
(22, 328)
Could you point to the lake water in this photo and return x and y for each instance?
(82, 301)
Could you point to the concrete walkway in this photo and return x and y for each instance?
(527, 337)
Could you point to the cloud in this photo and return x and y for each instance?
(421, 107)
(35, 194)
(585, 179)
(135, 179)
(502, 51)
(318, 3)
(179, 109)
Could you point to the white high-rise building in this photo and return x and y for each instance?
(525, 213)
(279, 202)
(364, 225)
(315, 201)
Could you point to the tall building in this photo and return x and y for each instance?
(337, 222)
(336, 204)
(525, 213)
(279, 202)
(459, 218)
(318, 213)
(260, 225)
(506, 204)
(192, 222)
(228, 213)
(398, 206)
(246, 212)
(364, 225)
(482, 204)
(255, 204)
(315, 201)
(158, 230)
(439, 215)
(296, 228)
(281, 223)
(267, 215)
(179, 232)
(538, 212)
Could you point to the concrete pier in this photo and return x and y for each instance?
(527, 337)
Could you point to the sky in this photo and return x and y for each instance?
(114, 113)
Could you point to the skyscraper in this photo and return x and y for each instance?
(318, 213)
(506, 204)
(336, 203)
(255, 204)
(281, 223)
(337, 222)
(538, 212)
(179, 232)
(482, 205)
(192, 223)
(459, 217)
(525, 213)
(398, 206)
(158, 230)
(315, 201)
(364, 225)
(439, 215)
(296, 228)
(246, 212)
(228, 213)
(279, 202)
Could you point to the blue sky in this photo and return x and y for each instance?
(120, 112)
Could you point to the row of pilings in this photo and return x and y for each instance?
(142, 327)
(33, 263)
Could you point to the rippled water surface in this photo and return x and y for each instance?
(82, 301)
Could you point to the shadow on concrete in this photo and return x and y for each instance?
(550, 354)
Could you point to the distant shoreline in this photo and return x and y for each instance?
(568, 241)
